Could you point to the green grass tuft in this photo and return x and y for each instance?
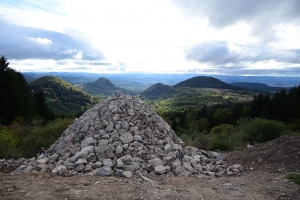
(294, 178)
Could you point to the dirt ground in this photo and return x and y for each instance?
(266, 166)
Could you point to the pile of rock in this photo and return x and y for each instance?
(13, 164)
(121, 136)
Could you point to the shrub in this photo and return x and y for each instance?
(223, 131)
(202, 141)
(8, 142)
(44, 136)
(261, 130)
(220, 144)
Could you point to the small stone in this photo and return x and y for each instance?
(160, 169)
(127, 174)
(126, 138)
(119, 149)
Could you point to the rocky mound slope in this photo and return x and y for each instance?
(123, 136)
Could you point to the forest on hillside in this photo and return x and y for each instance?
(224, 127)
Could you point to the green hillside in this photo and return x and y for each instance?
(61, 96)
(103, 87)
(159, 89)
(204, 82)
(195, 92)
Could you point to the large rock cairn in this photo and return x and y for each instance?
(122, 136)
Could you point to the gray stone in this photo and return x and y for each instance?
(197, 167)
(107, 162)
(126, 138)
(41, 167)
(97, 164)
(119, 173)
(109, 128)
(176, 164)
(122, 131)
(188, 166)
(150, 168)
(160, 169)
(88, 142)
(52, 159)
(79, 168)
(103, 171)
(119, 149)
(41, 161)
(155, 162)
(103, 151)
(137, 138)
(81, 161)
(127, 174)
(57, 169)
(221, 157)
(88, 168)
(179, 169)
(91, 157)
(177, 147)
(64, 172)
(120, 163)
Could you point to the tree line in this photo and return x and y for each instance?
(283, 106)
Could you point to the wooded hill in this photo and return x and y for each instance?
(205, 82)
(103, 87)
(61, 96)
(159, 89)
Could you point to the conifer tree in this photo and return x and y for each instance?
(15, 96)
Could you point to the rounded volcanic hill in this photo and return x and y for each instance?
(104, 87)
(103, 83)
(158, 89)
(204, 82)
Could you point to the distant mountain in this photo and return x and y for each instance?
(205, 82)
(158, 89)
(103, 86)
(61, 96)
(257, 86)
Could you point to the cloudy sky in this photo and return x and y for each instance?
(226, 37)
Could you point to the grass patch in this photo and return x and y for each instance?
(294, 178)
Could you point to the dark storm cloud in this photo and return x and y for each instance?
(20, 42)
(241, 70)
(222, 13)
(262, 16)
(212, 52)
(219, 53)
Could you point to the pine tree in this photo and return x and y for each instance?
(41, 106)
(16, 99)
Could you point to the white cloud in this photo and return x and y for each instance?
(41, 41)
(156, 36)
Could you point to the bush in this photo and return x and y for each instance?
(220, 144)
(44, 136)
(202, 141)
(8, 142)
(261, 130)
